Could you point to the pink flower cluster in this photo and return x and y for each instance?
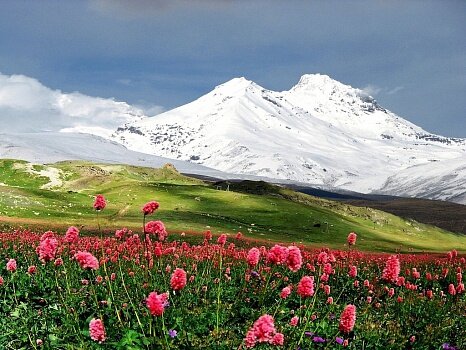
(290, 256)
(348, 319)
(100, 203)
(71, 235)
(156, 228)
(352, 238)
(157, 303)
(97, 330)
(263, 331)
(178, 279)
(87, 260)
(47, 249)
(306, 287)
(150, 207)
(392, 269)
(253, 256)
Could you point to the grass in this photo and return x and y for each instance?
(259, 210)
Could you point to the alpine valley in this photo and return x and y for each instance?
(320, 132)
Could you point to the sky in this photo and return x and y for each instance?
(160, 54)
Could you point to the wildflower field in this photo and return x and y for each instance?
(151, 289)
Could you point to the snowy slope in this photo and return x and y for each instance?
(52, 147)
(320, 132)
(444, 181)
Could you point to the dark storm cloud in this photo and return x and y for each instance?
(168, 53)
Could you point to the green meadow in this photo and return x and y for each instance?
(55, 196)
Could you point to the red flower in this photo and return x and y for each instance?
(222, 239)
(87, 260)
(352, 238)
(100, 203)
(178, 279)
(306, 286)
(156, 228)
(253, 256)
(150, 207)
(348, 319)
(392, 269)
(294, 260)
(97, 330)
(157, 303)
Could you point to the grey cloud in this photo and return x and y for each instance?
(134, 9)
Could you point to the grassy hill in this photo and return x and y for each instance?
(58, 195)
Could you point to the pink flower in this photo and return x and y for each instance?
(253, 256)
(11, 265)
(97, 330)
(277, 254)
(327, 289)
(262, 331)
(306, 286)
(294, 321)
(451, 289)
(353, 272)
(285, 292)
(278, 339)
(392, 269)
(32, 269)
(294, 260)
(1, 281)
(322, 258)
(222, 239)
(100, 203)
(71, 234)
(178, 279)
(157, 303)
(47, 249)
(150, 207)
(352, 238)
(348, 319)
(87, 260)
(156, 228)
(58, 262)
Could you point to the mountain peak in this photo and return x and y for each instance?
(319, 82)
(236, 85)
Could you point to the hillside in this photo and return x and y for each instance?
(61, 194)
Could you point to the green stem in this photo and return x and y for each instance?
(219, 290)
(130, 299)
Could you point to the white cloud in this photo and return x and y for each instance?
(371, 90)
(28, 106)
(395, 90)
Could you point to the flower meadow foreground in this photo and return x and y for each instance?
(154, 290)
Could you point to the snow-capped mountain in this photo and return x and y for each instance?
(319, 132)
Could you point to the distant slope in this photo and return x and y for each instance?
(320, 132)
(57, 195)
(49, 147)
(446, 215)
